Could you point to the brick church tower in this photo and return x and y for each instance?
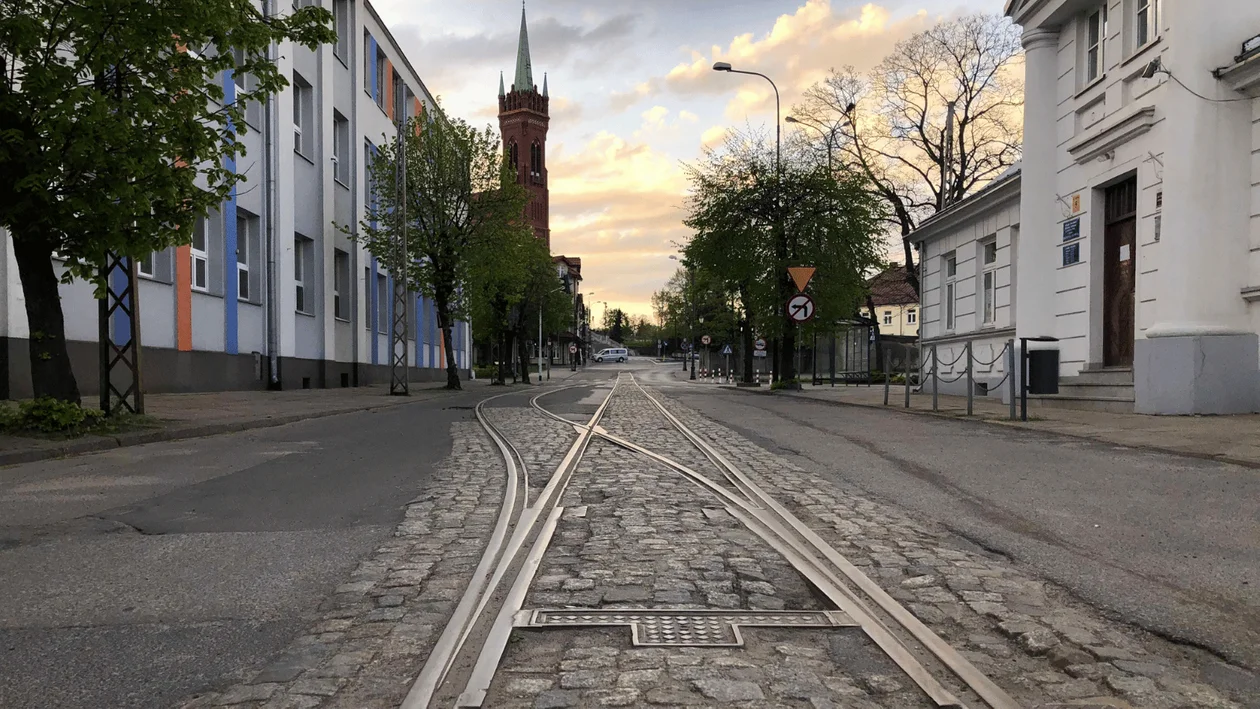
(523, 120)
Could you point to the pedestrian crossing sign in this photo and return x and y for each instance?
(726, 350)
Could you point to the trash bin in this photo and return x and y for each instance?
(1043, 371)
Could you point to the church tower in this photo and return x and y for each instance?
(523, 120)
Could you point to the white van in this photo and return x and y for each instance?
(613, 354)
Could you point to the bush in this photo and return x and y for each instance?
(485, 371)
(49, 415)
(786, 384)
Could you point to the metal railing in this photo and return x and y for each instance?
(933, 375)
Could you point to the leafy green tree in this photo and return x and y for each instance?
(496, 290)
(114, 135)
(542, 293)
(752, 222)
(461, 196)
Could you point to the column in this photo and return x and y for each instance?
(1200, 357)
(1036, 254)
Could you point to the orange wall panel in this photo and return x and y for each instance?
(183, 298)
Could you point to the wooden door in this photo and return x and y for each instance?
(1119, 273)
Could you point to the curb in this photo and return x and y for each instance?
(1020, 426)
(136, 438)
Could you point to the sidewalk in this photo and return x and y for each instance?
(1231, 439)
(206, 414)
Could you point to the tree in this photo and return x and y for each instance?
(461, 196)
(499, 271)
(899, 135)
(752, 222)
(114, 136)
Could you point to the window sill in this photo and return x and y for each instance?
(338, 318)
(248, 301)
(340, 59)
(302, 155)
(303, 312)
(1091, 86)
(1137, 53)
(338, 181)
(206, 292)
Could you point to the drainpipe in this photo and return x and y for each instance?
(271, 209)
(355, 151)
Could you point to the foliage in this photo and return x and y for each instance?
(780, 384)
(891, 124)
(752, 221)
(113, 137)
(461, 198)
(49, 415)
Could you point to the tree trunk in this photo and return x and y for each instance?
(749, 375)
(879, 339)
(912, 273)
(444, 324)
(524, 357)
(51, 374)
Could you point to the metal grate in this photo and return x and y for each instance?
(682, 627)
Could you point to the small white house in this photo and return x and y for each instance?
(966, 256)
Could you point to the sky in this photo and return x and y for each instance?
(633, 98)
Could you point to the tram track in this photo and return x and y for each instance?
(463, 663)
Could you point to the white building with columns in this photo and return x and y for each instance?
(1139, 239)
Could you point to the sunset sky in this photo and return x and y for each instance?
(633, 96)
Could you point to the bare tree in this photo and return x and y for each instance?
(894, 123)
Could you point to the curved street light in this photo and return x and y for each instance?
(829, 134)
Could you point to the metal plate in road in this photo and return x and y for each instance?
(800, 308)
(668, 627)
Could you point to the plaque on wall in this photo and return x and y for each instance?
(1072, 229)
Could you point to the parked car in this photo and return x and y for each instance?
(612, 354)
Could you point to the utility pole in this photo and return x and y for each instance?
(947, 159)
(399, 384)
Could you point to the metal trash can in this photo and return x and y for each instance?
(1043, 371)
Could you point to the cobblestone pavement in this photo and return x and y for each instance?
(637, 535)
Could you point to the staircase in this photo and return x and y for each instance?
(1107, 389)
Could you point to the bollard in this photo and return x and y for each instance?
(887, 377)
(935, 379)
(1010, 373)
(907, 377)
(970, 386)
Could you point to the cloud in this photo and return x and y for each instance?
(713, 136)
(618, 205)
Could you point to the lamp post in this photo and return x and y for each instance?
(540, 334)
(781, 250)
(829, 134)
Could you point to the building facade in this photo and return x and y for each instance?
(967, 261)
(523, 121)
(896, 303)
(271, 293)
(1139, 247)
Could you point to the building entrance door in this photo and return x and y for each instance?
(1119, 273)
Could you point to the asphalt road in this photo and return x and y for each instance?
(1167, 543)
(136, 577)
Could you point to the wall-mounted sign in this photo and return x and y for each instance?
(1072, 229)
(1071, 254)
(1076, 204)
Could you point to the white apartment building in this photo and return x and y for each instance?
(1138, 245)
(271, 293)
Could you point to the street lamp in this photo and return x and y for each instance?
(830, 135)
(781, 250)
(540, 334)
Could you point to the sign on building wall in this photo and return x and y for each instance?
(1072, 229)
(1071, 254)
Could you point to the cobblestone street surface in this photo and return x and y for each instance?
(636, 534)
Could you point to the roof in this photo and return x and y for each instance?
(524, 71)
(1009, 176)
(891, 287)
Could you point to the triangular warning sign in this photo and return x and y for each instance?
(801, 276)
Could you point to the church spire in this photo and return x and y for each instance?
(544, 83)
(502, 93)
(524, 71)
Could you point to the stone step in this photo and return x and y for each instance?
(1106, 404)
(1108, 391)
(1108, 376)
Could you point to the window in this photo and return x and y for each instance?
(888, 317)
(303, 116)
(990, 253)
(341, 23)
(512, 157)
(1146, 25)
(341, 284)
(380, 77)
(951, 273)
(382, 303)
(303, 270)
(1095, 41)
(535, 162)
(912, 317)
(341, 149)
(988, 282)
(242, 257)
(367, 62)
(201, 255)
(245, 83)
(144, 266)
